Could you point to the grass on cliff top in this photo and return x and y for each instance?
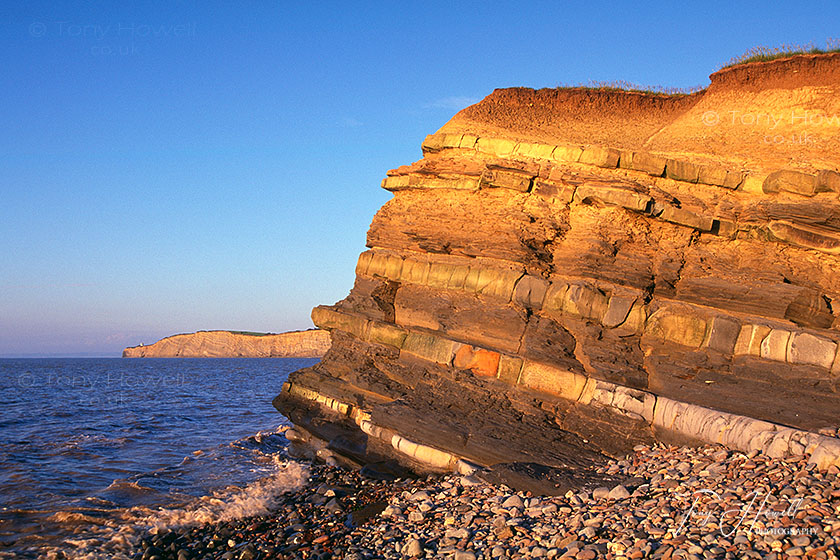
(765, 54)
(250, 333)
(621, 85)
(755, 54)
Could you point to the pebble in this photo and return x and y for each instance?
(801, 540)
(600, 493)
(619, 493)
(513, 502)
(413, 548)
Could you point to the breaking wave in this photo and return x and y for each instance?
(114, 534)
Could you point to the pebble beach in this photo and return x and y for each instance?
(690, 503)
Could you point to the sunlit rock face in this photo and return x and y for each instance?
(568, 273)
(226, 344)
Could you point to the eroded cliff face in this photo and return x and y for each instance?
(567, 273)
(226, 344)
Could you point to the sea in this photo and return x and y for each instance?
(96, 453)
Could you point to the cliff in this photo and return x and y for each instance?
(226, 344)
(570, 272)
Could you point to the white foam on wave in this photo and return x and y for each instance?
(255, 499)
(80, 441)
(115, 537)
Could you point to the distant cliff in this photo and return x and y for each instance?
(313, 343)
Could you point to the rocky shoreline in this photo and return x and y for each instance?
(673, 502)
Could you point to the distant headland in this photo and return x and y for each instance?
(312, 343)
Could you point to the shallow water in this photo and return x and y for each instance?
(94, 451)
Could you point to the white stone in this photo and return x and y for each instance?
(413, 548)
(774, 346)
(809, 349)
(513, 502)
(619, 493)
(600, 493)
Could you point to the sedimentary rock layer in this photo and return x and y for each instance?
(567, 273)
(226, 344)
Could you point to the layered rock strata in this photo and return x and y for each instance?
(568, 273)
(313, 343)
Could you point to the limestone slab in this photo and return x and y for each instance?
(452, 140)
(625, 159)
(497, 282)
(440, 275)
(585, 301)
(430, 347)
(775, 345)
(386, 333)
(648, 163)
(684, 217)
(560, 193)
(416, 272)
(555, 297)
(752, 183)
(618, 310)
(433, 143)
(615, 196)
(509, 369)
(480, 361)
(468, 141)
(497, 146)
(599, 156)
(329, 319)
(757, 336)
(790, 181)
(363, 262)
(806, 348)
(530, 291)
(393, 267)
(636, 319)
(684, 329)
(378, 265)
(567, 153)
(742, 345)
(724, 334)
(397, 183)
(552, 381)
(725, 228)
(459, 276)
(809, 236)
(506, 180)
(828, 180)
(712, 175)
(680, 170)
(535, 150)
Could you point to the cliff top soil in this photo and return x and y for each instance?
(758, 116)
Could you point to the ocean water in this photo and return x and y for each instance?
(95, 452)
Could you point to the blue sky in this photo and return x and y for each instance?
(178, 166)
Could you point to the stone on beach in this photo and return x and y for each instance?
(482, 520)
